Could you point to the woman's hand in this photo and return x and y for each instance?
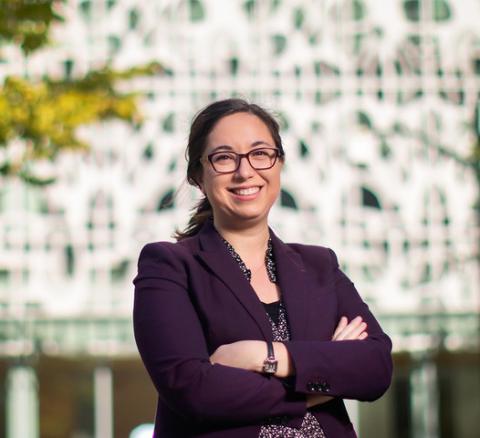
(350, 331)
(248, 355)
(345, 331)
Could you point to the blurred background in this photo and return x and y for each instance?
(379, 103)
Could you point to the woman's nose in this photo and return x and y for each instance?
(245, 170)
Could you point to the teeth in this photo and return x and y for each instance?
(249, 191)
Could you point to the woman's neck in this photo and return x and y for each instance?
(250, 243)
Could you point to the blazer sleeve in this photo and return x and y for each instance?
(171, 343)
(360, 369)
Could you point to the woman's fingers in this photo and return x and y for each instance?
(341, 325)
(353, 330)
(344, 327)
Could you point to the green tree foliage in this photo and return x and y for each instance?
(27, 22)
(40, 117)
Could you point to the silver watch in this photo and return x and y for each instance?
(270, 364)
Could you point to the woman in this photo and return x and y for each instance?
(242, 334)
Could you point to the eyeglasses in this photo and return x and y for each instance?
(229, 162)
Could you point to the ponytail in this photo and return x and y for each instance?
(202, 213)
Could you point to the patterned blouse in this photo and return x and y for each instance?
(277, 315)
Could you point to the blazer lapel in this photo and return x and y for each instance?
(293, 286)
(215, 255)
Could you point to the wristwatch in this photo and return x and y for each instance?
(270, 363)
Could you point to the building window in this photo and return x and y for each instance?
(166, 201)
(369, 199)
(287, 200)
(197, 10)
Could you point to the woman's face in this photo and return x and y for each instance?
(245, 196)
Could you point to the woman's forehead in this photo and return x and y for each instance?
(239, 130)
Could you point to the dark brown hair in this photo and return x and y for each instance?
(202, 125)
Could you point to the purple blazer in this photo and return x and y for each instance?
(191, 297)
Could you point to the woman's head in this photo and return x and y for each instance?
(207, 118)
(236, 127)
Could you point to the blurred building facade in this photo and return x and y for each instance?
(377, 102)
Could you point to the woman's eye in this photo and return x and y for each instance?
(222, 157)
(260, 153)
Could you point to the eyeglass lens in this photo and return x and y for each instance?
(230, 161)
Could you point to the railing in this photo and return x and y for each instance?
(113, 335)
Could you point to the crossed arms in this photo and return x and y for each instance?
(172, 345)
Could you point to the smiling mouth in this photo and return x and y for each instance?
(246, 192)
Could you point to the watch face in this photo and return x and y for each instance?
(270, 366)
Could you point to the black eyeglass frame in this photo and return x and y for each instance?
(278, 154)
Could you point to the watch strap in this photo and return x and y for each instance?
(270, 350)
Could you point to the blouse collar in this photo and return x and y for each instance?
(269, 261)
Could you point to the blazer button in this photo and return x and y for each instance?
(324, 386)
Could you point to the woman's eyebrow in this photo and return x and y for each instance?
(227, 147)
(259, 143)
(221, 147)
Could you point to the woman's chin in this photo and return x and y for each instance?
(245, 216)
